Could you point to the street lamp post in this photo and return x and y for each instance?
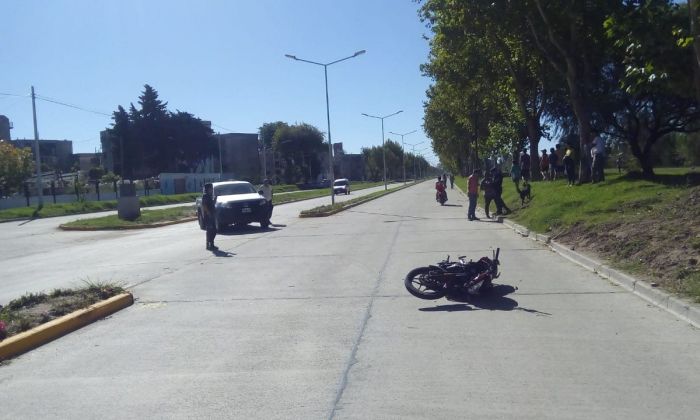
(383, 148)
(420, 152)
(403, 153)
(328, 112)
(413, 151)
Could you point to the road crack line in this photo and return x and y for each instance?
(365, 320)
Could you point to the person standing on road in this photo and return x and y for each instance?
(266, 191)
(452, 181)
(489, 194)
(501, 207)
(209, 215)
(473, 193)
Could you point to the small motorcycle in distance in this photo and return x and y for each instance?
(446, 277)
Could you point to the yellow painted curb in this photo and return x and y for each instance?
(44, 333)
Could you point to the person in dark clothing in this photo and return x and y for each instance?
(473, 193)
(525, 165)
(569, 168)
(452, 181)
(553, 164)
(489, 193)
(209, 215)
(497, 177)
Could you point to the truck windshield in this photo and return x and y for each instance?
(232, 189)
(343, 182)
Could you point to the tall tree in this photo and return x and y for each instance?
(655, 94)
(149, 140)
(16, 165)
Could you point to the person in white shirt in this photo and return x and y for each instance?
(266, 190)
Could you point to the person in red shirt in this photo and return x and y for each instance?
(473, 193)
(440, 188)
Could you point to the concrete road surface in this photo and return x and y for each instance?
(311, 321)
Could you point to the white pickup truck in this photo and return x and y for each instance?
(237, 203)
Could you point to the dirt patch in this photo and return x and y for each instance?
(34, 309)
(658, 241)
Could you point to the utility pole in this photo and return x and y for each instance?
(221, 162)
(39, 186)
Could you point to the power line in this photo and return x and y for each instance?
(223, 128)
(54, 101)
(13, 94)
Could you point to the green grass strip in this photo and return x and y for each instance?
(330, 209)
(147, 218)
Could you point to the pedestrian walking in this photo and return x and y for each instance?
(452, 181)
(560, 158)
(525, 165)
(515, 174)
(569, 168)
(266, 191)
(473, 193)
(544, 165)
(209, 215)
(599, 158)
(497, 177)
(619, 162)
(553, 164)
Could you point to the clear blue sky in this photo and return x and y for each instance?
(223, 61)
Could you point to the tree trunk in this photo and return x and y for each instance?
(533, 133)
(644, 156)
(693, 6)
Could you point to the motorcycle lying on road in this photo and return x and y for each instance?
(453, 277)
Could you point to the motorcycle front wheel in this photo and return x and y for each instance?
(418, 284)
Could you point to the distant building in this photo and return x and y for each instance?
(345, 165)
(56, 155)
(107, 150)
(5, 126)
(239, 156)
(87, 161)
(350, 166)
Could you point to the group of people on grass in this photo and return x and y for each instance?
(558, 161)
(561, 162)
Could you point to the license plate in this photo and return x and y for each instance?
(246, 210)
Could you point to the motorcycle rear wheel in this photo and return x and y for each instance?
(415, 283)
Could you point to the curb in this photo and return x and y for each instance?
(154, 225)
(52, 330)
(683, 310)
(349, 206)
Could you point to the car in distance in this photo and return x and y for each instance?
(236, 203)
(341, 186)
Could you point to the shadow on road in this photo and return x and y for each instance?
(453, 205)
(495, 300)
(219, 253)
(245, 230)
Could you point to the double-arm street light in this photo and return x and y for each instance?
(403, 152)
(420, 152)
(383, 148)
(328, 112)
(413, 151)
